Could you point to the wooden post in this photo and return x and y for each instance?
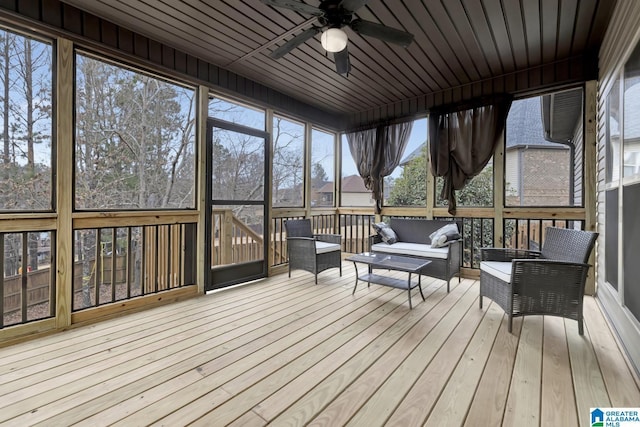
(226, 237)
(201, 181)
(498, 193)
(64, 182)
(590, 171)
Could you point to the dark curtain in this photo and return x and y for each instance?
(462, 143)
(377, 152)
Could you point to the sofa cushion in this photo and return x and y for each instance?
(445, 235)
(385, 232)
(324, 247)
(501, 270)
(412, 249)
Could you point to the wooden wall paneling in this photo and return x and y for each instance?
(155, 52)
(498, 85)
(9, 4)
(192, 66)
(91, 26)
(30, 8)
(72, 19)
(563, 71)
(549, 73)
(52, 13)
(168, 56)
(476, 89)
(203, 70)
(214, 74)
(522, 79)
(487, 87)
(141, 46)
(510, 83)
(535, 77)
(180, 62)
(125, 40)
(109, 33)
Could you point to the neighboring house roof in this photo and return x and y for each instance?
(326, 188)
(353, 184)
(524, 126)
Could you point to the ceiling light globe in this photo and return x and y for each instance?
(334, 40)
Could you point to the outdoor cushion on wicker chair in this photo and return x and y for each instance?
(311, 252)
(550, 281)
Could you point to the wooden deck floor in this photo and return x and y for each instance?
(288, 352)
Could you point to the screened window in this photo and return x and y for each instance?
(322, 168)
(135, 139)
(613, 133)
(543, 151)
(631, 111)
(477, 193)
(288, 163)
(26, 123)
(236, 113)
(407, 184)
(352, 191)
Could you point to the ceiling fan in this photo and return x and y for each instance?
(332, 16)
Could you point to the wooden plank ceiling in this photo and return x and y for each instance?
(457, 42)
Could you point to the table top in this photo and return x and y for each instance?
(392, 262)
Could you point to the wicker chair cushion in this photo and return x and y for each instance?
(385, 232)
(501, 270)
(414, 249)
(445, 235)
(324, 247)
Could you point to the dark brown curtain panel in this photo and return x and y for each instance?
(377, 152)
(463, 141)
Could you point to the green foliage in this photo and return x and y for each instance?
(410, 189)
(478, 192)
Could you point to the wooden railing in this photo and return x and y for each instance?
(118, 263)
(27, 281)
(234, 241)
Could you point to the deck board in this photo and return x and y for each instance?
(286, 351)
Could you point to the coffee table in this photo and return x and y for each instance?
(389, 262)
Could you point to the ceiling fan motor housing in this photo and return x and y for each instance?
(335, 16)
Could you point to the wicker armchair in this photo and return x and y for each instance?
(550, 281)
(311, 252)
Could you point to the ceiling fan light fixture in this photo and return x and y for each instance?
(334, 40)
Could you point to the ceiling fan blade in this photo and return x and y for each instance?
(342, 61)
(298, 6)
(353, 5)
(294, 42)
(382, 32)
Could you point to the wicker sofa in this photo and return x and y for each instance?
(413, 240)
